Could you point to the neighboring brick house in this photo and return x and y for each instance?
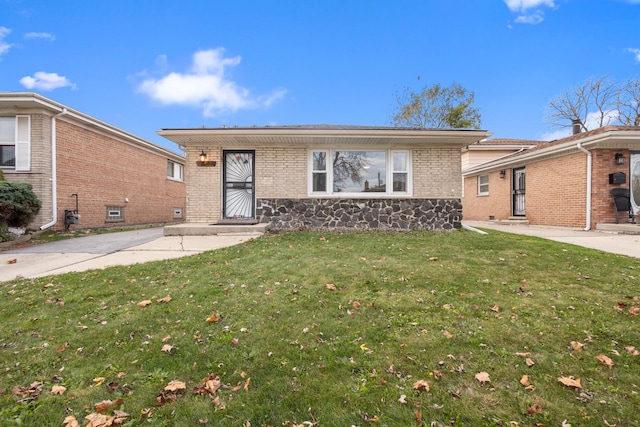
(324, 176)
(566, 182)
(117, 178)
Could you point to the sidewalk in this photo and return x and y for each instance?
(617, 243)
(97, 252)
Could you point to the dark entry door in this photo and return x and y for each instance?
(239, 190)
(518, 193)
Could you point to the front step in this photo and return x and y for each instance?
(202, 229)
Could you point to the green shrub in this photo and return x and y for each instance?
(18, 204)
(1, 175)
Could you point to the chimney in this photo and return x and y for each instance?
(576, 126)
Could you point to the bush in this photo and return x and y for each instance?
(18, 204)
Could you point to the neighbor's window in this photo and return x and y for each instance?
(483, 185)
(14, 143)
(115, 213)
(351, 172)
(175, 170)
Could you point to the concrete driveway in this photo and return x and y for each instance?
(105, 250)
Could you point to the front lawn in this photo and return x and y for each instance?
(331, 329)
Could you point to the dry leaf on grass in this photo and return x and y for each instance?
(525, 381)
(167, 348)
(495, 308)
(330, 286)
(70, 421)
(576, 346)
(165, 299)
(605, 360)
(570, 382)
(58, 389)
(144, 303)
(421, 385)
(529, 362)
(447, 334)
(175, 385)
(105, 405)
(483, 377)
(632, 350)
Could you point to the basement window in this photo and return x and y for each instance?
(115, 214)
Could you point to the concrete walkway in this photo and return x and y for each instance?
(106, 250)
(606, 241)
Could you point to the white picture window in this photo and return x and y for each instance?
(359, 172)
(175, 171)
(483, 185)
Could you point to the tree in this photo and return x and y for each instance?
(596, 103)
(436, 107)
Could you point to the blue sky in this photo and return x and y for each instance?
(144, 65)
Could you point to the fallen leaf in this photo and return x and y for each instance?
(70, 421)
(58, 389)
(144, 303)
(167, 348)
(632, 350)
(447, 334)
(565, 424)
(534, 409)
(166, 339)
(105, 405)
(523, 355)
(175, 386)
(98, 420)
(570, 382)
(246, 384)
(418, 415)
(165, 299)
(635, 310)
(403, 399)
(495, 308)
(483, 377)
(331, 286)
(605, 360)
(421, 385)
(433, 258)
(213, 318)
(525, 381)
(529, 362)
(98, 381)
(576, 346)
(12, 261)
(355, 305)
(119, 417)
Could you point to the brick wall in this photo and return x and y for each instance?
(496, 205)
(105, 171)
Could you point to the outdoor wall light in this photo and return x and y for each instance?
(204, 160)
(503, 173)
(619, 159)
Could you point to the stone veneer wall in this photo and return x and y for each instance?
(387, 214)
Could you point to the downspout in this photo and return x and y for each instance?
(589, 172)
(54, 172)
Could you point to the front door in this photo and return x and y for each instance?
(238, 187)
(635, 181)
(518, 193)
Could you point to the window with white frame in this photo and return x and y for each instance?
(115, 214)
(15, 147)
(358, 172)
(175, 170)
(483, 185)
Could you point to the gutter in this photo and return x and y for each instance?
(54, 173)
(589, 173)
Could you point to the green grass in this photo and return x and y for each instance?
(440, 307)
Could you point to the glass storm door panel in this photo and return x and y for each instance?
(518, 192)
(239, 189)
(635, 181)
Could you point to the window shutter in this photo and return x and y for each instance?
(23, 144)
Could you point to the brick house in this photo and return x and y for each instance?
(114, 178)
(566, 182)
(324, 176)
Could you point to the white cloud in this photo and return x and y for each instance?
(46, 81)
(533, 19)
(636, 52)
(4, 46)
(34, 35)
(523, 5)
(205, 85)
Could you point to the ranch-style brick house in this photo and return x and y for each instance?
(87, 173)
(324, 176)
(567, 182)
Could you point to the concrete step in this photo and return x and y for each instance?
(203, 229)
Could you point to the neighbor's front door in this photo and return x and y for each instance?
(238, 187)
(518, 192)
